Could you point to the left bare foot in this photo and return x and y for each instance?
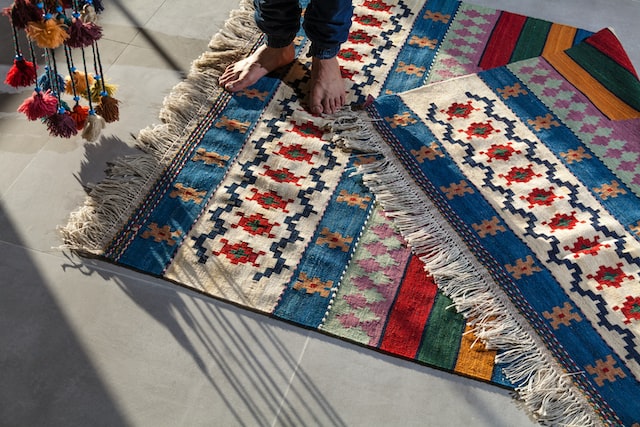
(327, 94)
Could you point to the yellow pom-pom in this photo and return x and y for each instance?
(97, 90)
(47, 34)
(78, 80)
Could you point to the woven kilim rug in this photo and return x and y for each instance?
(246, 198)
(526, 178)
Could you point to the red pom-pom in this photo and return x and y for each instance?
(39, 105)
(79, 115)
(61, 124)
(83, 34)
(21, 74)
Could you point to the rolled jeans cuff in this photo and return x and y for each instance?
(323, 52)
(280, 42)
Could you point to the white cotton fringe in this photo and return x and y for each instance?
(543, 388)
(112, 201)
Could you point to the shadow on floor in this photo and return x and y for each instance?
(47, 377)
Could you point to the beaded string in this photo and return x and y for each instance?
(16, 45)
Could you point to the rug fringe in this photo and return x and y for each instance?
(543, 389)
(111, 202)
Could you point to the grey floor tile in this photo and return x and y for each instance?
(365, 388)
(90, 344)
(122, 20)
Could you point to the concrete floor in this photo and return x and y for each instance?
(85, 343)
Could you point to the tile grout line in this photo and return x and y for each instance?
(290, 382)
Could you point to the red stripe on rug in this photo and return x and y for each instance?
(503, 40)
(410, 311)
(607, 43)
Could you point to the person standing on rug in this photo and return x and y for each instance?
(326, 23)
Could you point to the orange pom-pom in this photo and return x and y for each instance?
(78, 80)
(79, 115)
(47, 34)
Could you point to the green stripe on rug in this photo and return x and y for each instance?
(609, 73)
(441, 337)
(532, 39)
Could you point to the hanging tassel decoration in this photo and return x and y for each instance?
(79, 80)
(108, 108)
(83, 34)
(61, 124)
(22, 12)
(22, 73)
(94, 123)
(79, 114)
(47, 34)
(93, 127)
(100, 87)
(39, 105)
(50, 80)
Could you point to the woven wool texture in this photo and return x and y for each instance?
(248, 199)
(513, 162)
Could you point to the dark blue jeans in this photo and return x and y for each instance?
(326, 23)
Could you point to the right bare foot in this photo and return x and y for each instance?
(246, 72)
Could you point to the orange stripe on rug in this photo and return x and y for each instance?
(560, 38)
(602, 98)
(474, 359)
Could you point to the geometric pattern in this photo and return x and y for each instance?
(527, 184)
(260, 208)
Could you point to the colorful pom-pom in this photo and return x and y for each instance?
(83, 34)
(79, 114)
(39, 105)
(61, 124)
(21, 74)
(22, 12)
(93, 127)
(108, 109)
(45, 82)
(99, 88)
(48, 33)
(78, 79)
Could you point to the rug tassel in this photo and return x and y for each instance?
(542, 387)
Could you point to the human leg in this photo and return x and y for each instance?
(280, 21)
(327, 24)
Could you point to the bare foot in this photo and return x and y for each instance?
(327, 93)
(246, 72)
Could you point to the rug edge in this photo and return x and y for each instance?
(543, 389)
(110, 202)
